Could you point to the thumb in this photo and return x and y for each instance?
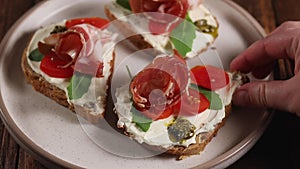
(272, 94)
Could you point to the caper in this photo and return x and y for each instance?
(181, 130)
(204, 27)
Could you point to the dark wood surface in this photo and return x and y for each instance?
(279, 147)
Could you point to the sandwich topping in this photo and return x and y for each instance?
(75, 56)
(161, 13)
(159, 85)
(153, 117)
(184, 25)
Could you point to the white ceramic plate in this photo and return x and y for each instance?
(54, 134)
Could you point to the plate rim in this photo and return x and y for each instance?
(48, 159)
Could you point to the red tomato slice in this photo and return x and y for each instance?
(95, 21)
(55, 67)
(209, 77)
(191, 103)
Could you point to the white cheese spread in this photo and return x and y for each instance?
(157, 135)
(97, 90)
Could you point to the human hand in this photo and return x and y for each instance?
(260, 59)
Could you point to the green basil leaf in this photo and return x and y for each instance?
(183, 36)
(124, 4)
(140, 120)
(213, 97)
(36, 55)
(79, 85)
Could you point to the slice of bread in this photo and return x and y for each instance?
(91, 110)
(126, 29)
(192, 146)
(134, 28)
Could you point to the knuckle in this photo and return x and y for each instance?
(258, 96)
(263, 97)
(288, 24)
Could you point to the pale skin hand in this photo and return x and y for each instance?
(259, 59)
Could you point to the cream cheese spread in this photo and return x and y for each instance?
(97, 90)
(157, 135)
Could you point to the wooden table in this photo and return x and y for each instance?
(279, 147)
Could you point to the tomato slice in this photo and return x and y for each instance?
(55, 67)
(95, 21)
(209, 77)
(191, 103)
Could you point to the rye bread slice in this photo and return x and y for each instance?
(201, 139)
(126, 29)
(135, 37)
(40, 84)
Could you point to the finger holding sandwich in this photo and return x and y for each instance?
(259, 59)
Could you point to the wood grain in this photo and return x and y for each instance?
(262, 10)
(287, 10)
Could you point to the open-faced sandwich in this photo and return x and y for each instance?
(71, 62)
(185, 25)
(173, 108)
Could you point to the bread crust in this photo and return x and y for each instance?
(40, 84)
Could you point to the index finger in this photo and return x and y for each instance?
(282, 44)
